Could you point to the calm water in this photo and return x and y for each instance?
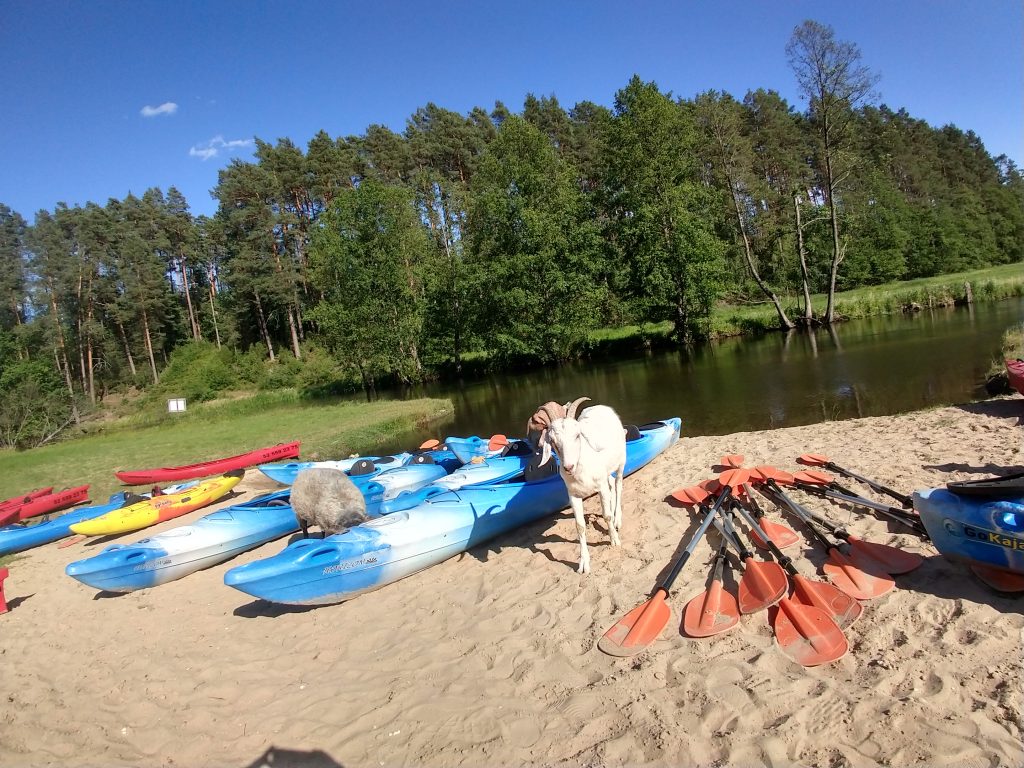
(860, 368)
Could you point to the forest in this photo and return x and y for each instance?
(393, 257)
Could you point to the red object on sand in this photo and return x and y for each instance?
(213, 467)
(1015, 372)
(53, 502)
(17, 501)
(4, 573)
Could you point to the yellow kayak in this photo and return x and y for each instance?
(159, 508)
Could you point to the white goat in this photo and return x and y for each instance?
(592, 459)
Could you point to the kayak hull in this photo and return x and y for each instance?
(975, 530)
(386, 549)
(207, 468)
(159, 508)
(17, 538)
(181, 551)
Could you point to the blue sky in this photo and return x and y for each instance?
(106, 98)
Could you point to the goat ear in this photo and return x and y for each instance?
(545, 448)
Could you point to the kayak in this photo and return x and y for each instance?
(159, 508)
(207, 468)
(285, 473)
(1015, 373)
(468, 448)
(42, 505)
(176, 553)
(975, 529)
(405, 541)
(407, 478)
(17, 501)
(497, 469)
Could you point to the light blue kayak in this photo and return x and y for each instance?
(975, 530)
(405, 541)
(186, 549)
(17, 538)
(497, 469)
(285, 473)
(468, 448)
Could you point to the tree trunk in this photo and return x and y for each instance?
(836, 250)
(149, 344)
(785, 323)
(192, 319)
(213, 306)
(805, 277)
(127, 348)
(262, 319)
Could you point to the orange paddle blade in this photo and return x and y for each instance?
(692, 495)
(638, 628)
(813, 477)
(838, 605)
(710, 613)
(1001, 581)
(733, 460)
(807, 634)
(735, 477)
(856, 580)
(764, 583)
(497, 442)
(892, 559)
(766, 472)
(781, 535)
(813, 459)
(426, 445)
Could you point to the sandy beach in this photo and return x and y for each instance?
(490, 658)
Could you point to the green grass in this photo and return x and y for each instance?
(209, 431)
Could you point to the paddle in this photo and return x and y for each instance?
(714, 610)
(764, 582)
(892, 559)
(1001, 581)
(822, 484)
(642, 625)
(862, 579)
(430, 444)
(817, 460)
(732, 460)
(783, 536)
(838, 605)
(700, 493)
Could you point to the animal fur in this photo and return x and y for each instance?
(328, 499)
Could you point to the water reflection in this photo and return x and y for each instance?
(869, 367)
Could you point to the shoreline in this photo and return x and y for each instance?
(491, 658)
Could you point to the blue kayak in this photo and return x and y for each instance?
(285, 473)
(186, 549)
(17, 538)
(405, 541)
(975, 530)
(468, 448)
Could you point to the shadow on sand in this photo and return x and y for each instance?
(275, 757)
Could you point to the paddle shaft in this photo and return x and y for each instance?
(680, 562)
(783, 500)
(893, 513)
(784, 560)
(903, 499)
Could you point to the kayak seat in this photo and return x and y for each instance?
(362, 467)
(534, 471)
(517, 448)
(632, 433)
(422, 458)
(1008, 487)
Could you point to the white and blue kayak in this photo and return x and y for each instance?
(395, 481)
(402, 542)
(469, 448)
(186, 549)
(982, 530)
(19, 537)
(498, 469)
(285, 473)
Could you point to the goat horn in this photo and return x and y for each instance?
(570, 408)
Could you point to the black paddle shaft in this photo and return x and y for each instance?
(784, 560)
(902, 498)
(785, 502)
(677, 567)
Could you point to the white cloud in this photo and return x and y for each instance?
(167, 108)
(207, 149)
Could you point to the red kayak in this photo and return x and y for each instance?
(1015, 372)
(214, 467)
(41, 505)
(17, 501)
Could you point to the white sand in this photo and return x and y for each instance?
(491, 658)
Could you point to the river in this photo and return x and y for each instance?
(871, 367)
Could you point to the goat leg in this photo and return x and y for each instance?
(607, 494)
(581, 530)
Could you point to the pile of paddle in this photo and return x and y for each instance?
(809, 617)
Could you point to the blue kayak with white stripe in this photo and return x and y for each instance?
(405, 541)
(186, 549)
(976, 530)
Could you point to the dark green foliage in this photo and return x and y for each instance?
(498, 238)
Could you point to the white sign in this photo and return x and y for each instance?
(176, 405)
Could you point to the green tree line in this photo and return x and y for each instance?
(392, 256)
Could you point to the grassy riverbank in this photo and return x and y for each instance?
(209, 431)
(991, 284)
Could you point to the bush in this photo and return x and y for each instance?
(197, 371)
